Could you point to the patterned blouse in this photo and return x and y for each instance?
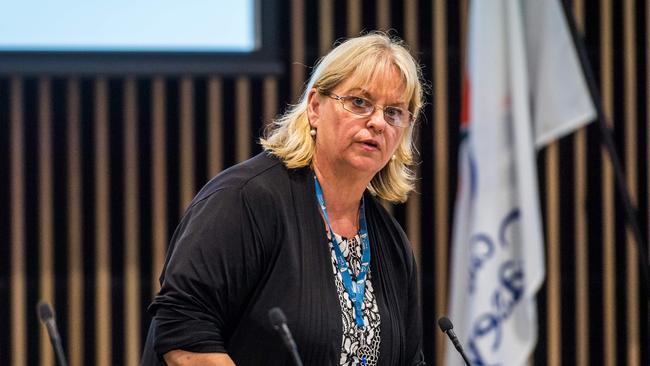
(356, 344)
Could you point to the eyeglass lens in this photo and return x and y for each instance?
(361, 106)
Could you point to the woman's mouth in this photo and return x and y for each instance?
(370, 144)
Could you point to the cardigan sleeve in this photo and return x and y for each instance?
(211, 272)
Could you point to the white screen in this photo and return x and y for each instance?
(128, 25)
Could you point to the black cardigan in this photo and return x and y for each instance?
(253, 239)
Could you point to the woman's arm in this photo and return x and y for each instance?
(214, 266)
(184, 358)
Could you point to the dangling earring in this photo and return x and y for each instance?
(312, 132)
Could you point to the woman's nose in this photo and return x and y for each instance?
(376, 120)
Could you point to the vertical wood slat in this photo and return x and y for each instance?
(553, 280)
(215, 126)
(609, 265)
(632, 267)
(18, 291)
(297, 48)
(75, 282)
(131, 227)
(243, 117)
(608, 212)
(354, 17)
(581, 253)
(103, 318)
(464, 10)
(414, 204)
(158, 180)
(383, 15)
(440, 166)
(45, 209)
(647, 121)
(186, 143)
(325, 26)
(581, 256)
(413, 211)
(411, 25)
(270, 106)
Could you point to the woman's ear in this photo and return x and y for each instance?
(313, 107)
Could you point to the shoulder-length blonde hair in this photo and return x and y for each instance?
(359, 59)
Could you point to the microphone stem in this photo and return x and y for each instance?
(458, 346)
(465, 358)
(59, 355)
(56, 344)
(462, 352)
(296, 358)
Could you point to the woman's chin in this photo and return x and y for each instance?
(366, 166)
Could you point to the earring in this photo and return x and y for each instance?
(393, 158)
(312, 132)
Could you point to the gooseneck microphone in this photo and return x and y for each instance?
(46, 315)
(445, 325)
(279, 323)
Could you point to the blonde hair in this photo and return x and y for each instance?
(359, 59)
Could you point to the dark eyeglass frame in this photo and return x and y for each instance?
(343, 99)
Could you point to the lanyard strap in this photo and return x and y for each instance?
(356, 291)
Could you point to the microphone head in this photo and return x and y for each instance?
(45, 312)
(445, 324)
(277, 318)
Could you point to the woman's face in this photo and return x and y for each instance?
(347, 143)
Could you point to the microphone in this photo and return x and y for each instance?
(46, 315)
(445, 325)
(279, 323)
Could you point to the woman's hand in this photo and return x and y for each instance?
(184, 358)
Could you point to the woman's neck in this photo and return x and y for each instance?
(342, 194)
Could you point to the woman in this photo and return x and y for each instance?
(299, 227)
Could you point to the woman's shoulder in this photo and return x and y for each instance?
(263, 170)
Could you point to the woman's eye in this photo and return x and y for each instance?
(393, 112)
(359, 102)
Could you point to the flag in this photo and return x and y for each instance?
(523, 88)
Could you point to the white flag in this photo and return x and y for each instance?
(523, 87)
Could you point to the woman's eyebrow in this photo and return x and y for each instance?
(366, 94)
(360, 91)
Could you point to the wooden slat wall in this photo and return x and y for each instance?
(552, 236)
(607, 182)
(131, 226)
(215, 126)
(134, 149)
(581, 250)
(159, 180)
(75, 272)
(243, 132)
(103, 275)
(45, 209)
(186, 152)
(440, 164)
(18, 281)
(632, 319)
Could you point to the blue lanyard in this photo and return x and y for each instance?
(356, 291)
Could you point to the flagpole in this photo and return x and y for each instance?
(607, 140)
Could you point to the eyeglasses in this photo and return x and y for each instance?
(394, 116)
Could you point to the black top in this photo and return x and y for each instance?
(253, 239)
